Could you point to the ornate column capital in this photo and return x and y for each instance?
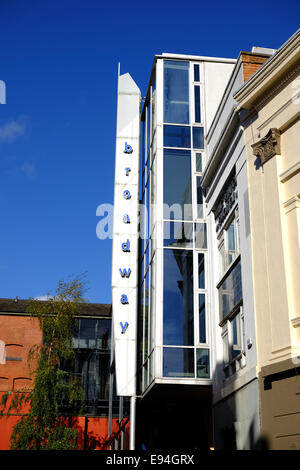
(268, 146)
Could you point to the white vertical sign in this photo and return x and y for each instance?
(125, 235)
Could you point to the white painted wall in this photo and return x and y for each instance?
(128, 132)
(216, 76)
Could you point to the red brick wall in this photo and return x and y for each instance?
(20, 333)
(251, 63)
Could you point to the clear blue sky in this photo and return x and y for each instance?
(57, 131)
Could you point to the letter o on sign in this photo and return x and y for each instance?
(127, 194)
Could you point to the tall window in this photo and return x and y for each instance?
(178, 326)
(176, 92)
(231, 295)
(177, 184)
(233, 336)
(91, 340)
(228, 245)
(185, 333)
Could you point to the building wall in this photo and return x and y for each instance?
(216, 76)
(237, 420)
(274, 219)
(19, 332)
(268, 102)
(232, 387)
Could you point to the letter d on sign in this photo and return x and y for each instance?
(126, 246)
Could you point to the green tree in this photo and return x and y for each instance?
(56, 388)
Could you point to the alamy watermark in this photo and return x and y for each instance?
(178, 219)
(2, 92)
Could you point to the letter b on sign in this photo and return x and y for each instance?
(128, 148)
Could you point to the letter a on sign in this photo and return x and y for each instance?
(124, 299)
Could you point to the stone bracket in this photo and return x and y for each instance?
(268, 146)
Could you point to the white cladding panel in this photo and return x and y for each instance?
(125, 235)
(216, 80)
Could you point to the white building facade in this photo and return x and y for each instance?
(175, 365)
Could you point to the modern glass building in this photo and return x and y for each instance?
(173, 333)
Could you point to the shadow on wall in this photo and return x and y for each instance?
(236, 417)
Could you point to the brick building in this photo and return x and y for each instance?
(19, 331)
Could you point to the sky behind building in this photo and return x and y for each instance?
(59, 62)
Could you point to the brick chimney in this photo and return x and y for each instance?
(252, 61)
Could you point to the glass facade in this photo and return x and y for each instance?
(174, 315)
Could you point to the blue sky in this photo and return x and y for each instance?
(57, 129)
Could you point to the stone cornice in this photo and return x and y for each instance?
(268, 146)
(290, 173)
(274, 89)
(217, 153)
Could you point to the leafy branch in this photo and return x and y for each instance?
(55, 388)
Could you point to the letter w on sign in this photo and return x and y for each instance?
(125, 272)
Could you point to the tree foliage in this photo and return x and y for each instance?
(56, 388)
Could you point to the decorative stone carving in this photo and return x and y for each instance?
(268, 146)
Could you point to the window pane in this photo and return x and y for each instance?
(178, 362)
(103, 382)
(199, 162)
(236, 336)
(197, 106)
(176, 92)
(103, 334)
(200, 236)
(177, 184)
(179, 234)
(152, 301)
(198, 137)
(178, 303)
(203, 363)
(230, 291)
(231, 237)
(87, 333)
(222, 257)
(196, 73)
(153, 111)
(202, 323)
(201, 271)
(199, 199)
(146, 316)
(141, 326)
(177, 136)
(145, 375)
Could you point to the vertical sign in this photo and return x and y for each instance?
(125, 235)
